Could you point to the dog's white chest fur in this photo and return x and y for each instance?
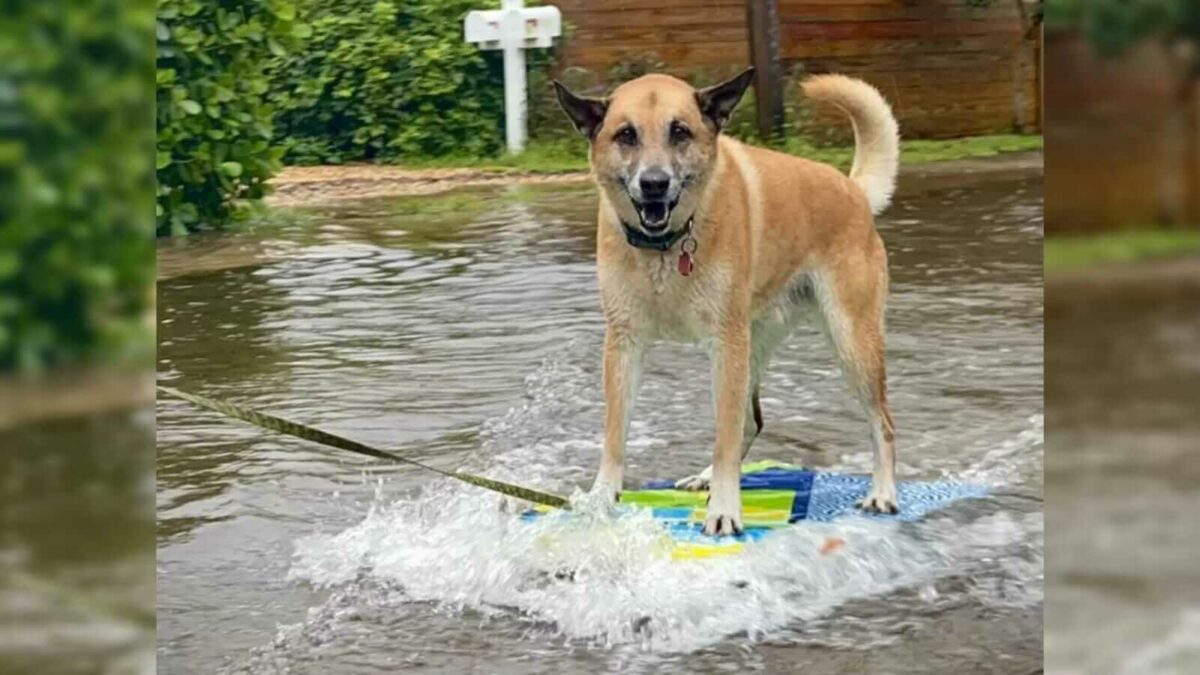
(656, 302)
(660, 273)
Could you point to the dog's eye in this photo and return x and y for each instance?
(627, 136)
(680, 133)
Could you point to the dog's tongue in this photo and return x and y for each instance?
(654, 213)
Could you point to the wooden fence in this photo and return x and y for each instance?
(950, 68)
(1124, 134)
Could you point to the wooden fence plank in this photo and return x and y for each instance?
(576, 7)
(677, 56)
(661, 18)
(949, 67)
(950, 61)
(892, 30)
(960, 11)
(811, 48)
(649, 37)
(763, 19)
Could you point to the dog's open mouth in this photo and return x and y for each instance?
(655, 214)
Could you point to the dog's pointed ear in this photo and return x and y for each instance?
(587, 114)
(718, 101)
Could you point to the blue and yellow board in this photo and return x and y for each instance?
(776, 495)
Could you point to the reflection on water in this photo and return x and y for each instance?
(1125, 474)
(76, 554)
(468, 334)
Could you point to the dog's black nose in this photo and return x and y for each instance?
(654, 183)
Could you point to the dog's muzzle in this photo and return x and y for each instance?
(653, 199)
(655, 214)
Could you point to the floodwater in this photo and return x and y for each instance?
(1123, 347)
(76, 543)
(464, 331)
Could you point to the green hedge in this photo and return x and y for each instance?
(1116, 25)
(76, 243)
(216, 143)
(385, 79)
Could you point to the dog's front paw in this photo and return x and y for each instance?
(607, 485)
(882, 499)
(724, 514)
(696, 483)
(723, 525)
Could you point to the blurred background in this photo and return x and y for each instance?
(1122, 127)
(76, 337)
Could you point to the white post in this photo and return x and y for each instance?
(514, 76)
(513, 29)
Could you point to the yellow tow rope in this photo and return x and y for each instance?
(283, 426)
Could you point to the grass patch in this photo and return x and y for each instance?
(1073, 252)
(567, 155)
(920, 151)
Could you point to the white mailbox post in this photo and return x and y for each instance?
(514, 28)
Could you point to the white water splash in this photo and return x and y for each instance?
(1003, 464)
(607, 579)
(1177, 653)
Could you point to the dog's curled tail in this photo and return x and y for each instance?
(876, 134)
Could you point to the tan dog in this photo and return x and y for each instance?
(702, 238)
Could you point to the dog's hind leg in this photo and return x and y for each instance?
(852, 303)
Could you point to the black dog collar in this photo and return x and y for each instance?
(639, 239)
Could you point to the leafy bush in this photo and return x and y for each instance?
(383, 79)
(1115, 25)
(76, 250)
(215, 138)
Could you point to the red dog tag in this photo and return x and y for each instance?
(685, 255)
(685, 264)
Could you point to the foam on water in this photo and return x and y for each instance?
(607, 578)
(1003, 463)
(1176, 653)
